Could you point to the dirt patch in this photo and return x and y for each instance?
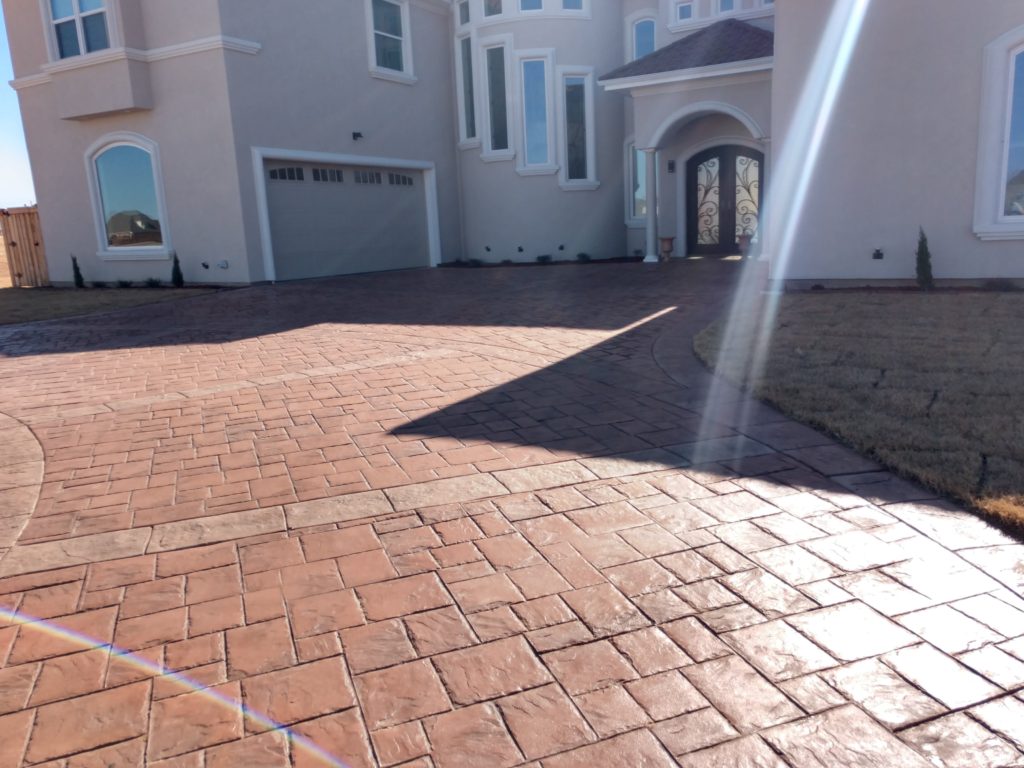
(25, 305)
(931, 385)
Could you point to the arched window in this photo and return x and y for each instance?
(999, 192)
(128, 199)
(643, 38)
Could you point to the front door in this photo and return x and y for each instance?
(723, 190)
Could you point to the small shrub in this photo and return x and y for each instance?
(98, 284)
(475, 263)
(79, 280)
(154, 282)
(925, 281)
(125, 283)
(583, 257)
(177, 279)
(1001, 285)
(545, 259)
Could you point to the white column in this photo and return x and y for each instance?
(651, 156)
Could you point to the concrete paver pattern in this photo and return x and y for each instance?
(468, 518)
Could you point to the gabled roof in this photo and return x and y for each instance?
(722, 43)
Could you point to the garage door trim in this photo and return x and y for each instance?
(261, 154)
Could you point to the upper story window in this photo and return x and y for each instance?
(388, 35)
(643, 38)
(726, 6)
(493, 7)
(531, 5)
(684, 12)
(80, 26)
(464, 13)
(572, 5)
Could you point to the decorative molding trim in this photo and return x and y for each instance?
(684, 75)
(218, 43)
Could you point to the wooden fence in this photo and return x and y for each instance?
(22, 256)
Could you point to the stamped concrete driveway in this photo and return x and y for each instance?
(470, 518)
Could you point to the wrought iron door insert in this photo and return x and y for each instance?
(723, 193)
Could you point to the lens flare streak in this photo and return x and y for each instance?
(26, 621)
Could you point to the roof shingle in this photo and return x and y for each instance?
(721, 43)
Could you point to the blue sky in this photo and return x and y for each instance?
(15, 177)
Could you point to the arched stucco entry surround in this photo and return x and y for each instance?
(661, 130)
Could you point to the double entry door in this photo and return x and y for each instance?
(723, 193)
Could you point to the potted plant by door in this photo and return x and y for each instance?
(668, 244)
(744, 242)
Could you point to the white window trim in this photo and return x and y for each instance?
(408, 74)
(631, 21)
(591, 182)
(993, 143)
(260, 156)
(467, 142)
(698, 22)
(547, 55)
(483, 126)
(115, 35)
(160, 252)
(511, 10)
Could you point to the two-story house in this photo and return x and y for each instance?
(274, 141)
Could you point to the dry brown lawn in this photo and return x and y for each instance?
(932, 385)
(24, 305)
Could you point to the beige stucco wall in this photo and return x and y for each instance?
(189, 122)
(901, 150)
(288, 98)
(504, 210)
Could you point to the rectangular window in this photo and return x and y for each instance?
(638, 176)
(492, 7)
(576, 153)
(1015, 149)
(464, 12)
(468, 94)
(726, 6)
(531, 5)
(572, 5)
(80, 26)
(684, 11)
(496, 96)
(388, 38)
(535, 112)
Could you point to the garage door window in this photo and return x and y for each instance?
(287, 174)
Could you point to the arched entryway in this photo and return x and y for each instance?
(723, 200)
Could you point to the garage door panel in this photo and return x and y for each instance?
(327, 228)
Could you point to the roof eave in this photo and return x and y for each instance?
(694, 73)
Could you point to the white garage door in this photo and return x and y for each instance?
(341, 219)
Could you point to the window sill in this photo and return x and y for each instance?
(579, 186)
(997, 232)
(136, 254)
(469, 144)
(393, 76)
(500, 156)
(537, 170)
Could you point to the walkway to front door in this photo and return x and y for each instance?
(723, 190)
